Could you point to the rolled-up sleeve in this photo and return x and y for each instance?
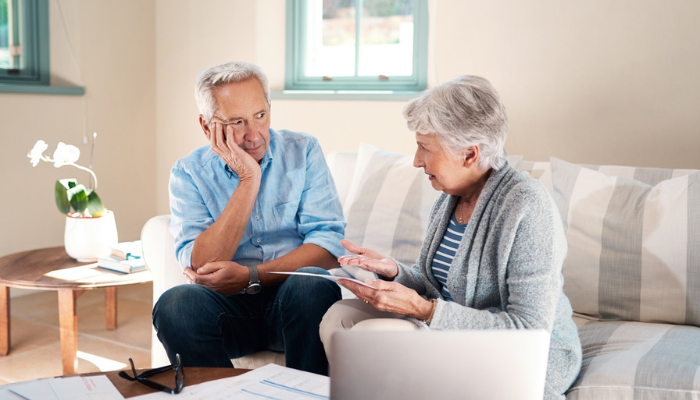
(190, 215)
(320, 214)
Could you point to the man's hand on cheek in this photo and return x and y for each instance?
(223, 144)
(224, 277)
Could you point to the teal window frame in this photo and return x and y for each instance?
(34, 34)
(295, 56)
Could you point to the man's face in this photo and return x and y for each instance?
(242, 106)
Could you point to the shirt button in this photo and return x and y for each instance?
(258, 240)
(257, 217)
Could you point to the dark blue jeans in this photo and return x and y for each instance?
(207, 329)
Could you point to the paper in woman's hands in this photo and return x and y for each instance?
(329, 277)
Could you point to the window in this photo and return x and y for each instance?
(24, 42)
(378, 45)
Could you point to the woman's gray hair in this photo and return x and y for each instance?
(236, 71)
(463, 112)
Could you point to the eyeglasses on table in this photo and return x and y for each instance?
(143, 376)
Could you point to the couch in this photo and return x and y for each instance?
(632, 272)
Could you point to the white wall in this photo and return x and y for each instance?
(596, 82)
(190, 36)
(113, 43)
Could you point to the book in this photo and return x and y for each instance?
(126, 250)
(135, 264)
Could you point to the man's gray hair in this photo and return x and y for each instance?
(236, 71)
(463, 112)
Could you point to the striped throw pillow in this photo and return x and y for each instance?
(542, 171)
(634, 245)
(388, 204)
(635, 360)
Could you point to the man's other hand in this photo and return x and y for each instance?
(225, 277)
(223, 144)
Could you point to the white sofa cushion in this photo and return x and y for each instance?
(635, 360)
(634, 246)
(388, 203)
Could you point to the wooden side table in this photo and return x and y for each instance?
(53, 269)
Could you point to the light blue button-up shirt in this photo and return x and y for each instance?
(297, 202)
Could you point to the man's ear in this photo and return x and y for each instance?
(471, 156)
(205, 127)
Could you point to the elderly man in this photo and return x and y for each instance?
(254, 201)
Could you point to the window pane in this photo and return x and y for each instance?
(5, 59)
(330, 38)
(386, 38)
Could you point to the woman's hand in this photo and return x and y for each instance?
(223, 144)
(392, 297)
(369, 260)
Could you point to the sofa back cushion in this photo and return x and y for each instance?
(342, 167)
(388, 203)
(634, 242)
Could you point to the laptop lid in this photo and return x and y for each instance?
(484, 364)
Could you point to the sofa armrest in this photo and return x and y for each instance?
(159, 254)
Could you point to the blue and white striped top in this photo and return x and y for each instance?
(446, 253)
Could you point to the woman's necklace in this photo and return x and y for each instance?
(460, 211)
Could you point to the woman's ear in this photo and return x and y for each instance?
(205, 127)
(471, 156)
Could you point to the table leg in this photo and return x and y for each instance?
(4, 320)
(111, 307)
(68, 322)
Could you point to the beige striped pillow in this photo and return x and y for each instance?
(542, 171)
(634, 245)
(388, 203)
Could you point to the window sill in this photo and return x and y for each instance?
(41, 89)
(344, 95)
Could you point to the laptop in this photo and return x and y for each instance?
(495, 364)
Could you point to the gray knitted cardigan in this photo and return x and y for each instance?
(507, 271)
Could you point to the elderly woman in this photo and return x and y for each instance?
(494, 249)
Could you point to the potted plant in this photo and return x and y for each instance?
(90, 228)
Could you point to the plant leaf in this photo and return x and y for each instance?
(94, 204)
(62, 201)
(78, 198)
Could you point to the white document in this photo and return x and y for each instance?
(329, 277)
(7, 394)
(32, 390)
(272, 382)
(74, 388)
(97, 387)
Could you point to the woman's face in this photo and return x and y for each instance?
(446, 173)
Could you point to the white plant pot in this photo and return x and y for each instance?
(87, 238)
